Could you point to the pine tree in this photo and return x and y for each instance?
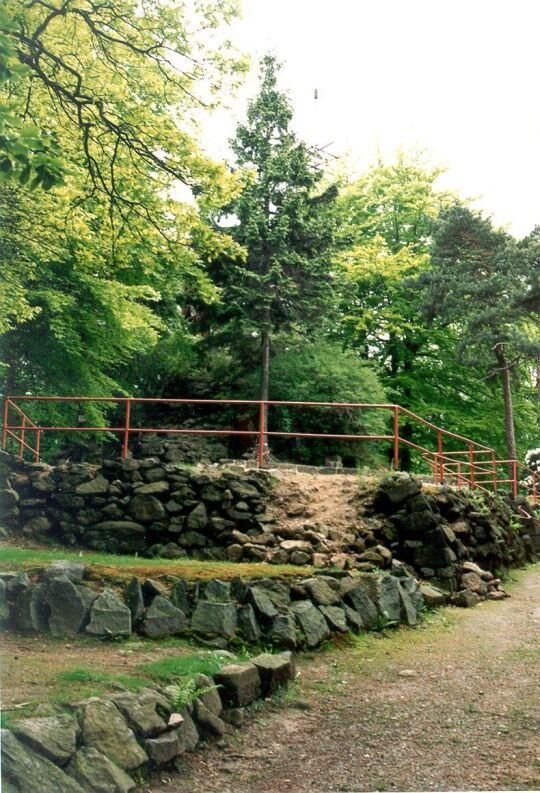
(478, 285)
(283, 220)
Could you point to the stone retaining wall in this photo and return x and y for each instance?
(288, 613)
(218, 513)
(98, 745)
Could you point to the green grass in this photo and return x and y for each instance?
(180, 666)
(106, 565)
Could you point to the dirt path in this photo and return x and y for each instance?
(452, 706)
(331, 501)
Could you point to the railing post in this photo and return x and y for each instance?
(21, 438)
(514, 478)
(38, 441)
(125, 444)
(262, 437)
(5, 422)
(440, 450)
(396, 438)
(471, 464)
(494, 465)
(534, 488)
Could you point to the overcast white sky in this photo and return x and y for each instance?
(457, 77)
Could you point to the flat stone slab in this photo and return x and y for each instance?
(52, 736)
(240, 684)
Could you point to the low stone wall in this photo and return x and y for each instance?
(215, 513)
(440, 530)
(96, 746)
(289, 613)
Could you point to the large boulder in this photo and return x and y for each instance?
(207, 720)
(105, 729)
(433, 596)
(52, 736)
(98, 486)
(69, 606)
(163, 618)
(166, 747)
(217, 591)
(197, 518)
(214, 619)
(109, 616)
(311, 622)
(262, 603)
(4, 607)
(335, 617)
(24, 771)
(247, 622)
(95, 773)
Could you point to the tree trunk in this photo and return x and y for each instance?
(507, 397)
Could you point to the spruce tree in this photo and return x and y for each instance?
(284, 222)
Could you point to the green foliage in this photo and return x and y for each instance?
(183, 665)
(183, 692)
(282, 281)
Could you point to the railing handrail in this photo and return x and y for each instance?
(441, 460)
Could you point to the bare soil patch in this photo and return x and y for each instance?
(454, 705)
(330, 500)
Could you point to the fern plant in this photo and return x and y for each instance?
(185, 690)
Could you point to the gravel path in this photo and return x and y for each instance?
(451, 706)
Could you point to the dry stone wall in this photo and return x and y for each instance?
(295, 613)
(155, 508)
(100, 745)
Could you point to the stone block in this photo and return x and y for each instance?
(105, 729)
(275, 671)
(109, 616)
(214, 619)
(240, 684)
(54, 737)
(311, 622)
(95, 773)
(162, 618)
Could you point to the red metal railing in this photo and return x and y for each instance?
(475, 466)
